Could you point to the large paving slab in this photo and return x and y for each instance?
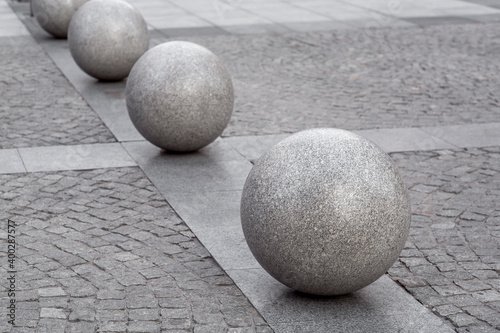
(78, 157)
(300, 15)
(11, 161)
(11, 26)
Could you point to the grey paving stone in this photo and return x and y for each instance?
(195, 31)
(404, 139)
(11, 161)
(206, 163)
(426, 21)
(489, 3)
(51, 292)
(52, 313)
(78, 157)
(484, 135)
(485, 18)
(252, 147)
(286, 310)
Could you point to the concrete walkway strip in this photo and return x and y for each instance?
(404, 139)
(204, 188)
(11, 26)
(79, 157)
(382, 306)
(11, 162)
(468, 136)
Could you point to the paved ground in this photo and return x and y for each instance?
(452, 260)
(39, 106)
(102, 250)
(442, 75)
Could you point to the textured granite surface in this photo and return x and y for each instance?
(54, 15)
(180, 96)
(325, 212)
(106, 37)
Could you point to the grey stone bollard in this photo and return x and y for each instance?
(54, 16)
(179, 96)
(106, 37)
(325, 212)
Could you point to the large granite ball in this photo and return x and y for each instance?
(179, 96)
(106, 37)
(325, 212)
(54, 15)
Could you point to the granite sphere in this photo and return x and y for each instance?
(179, 96)
(106, 37)
(325, 212)
(54, 16)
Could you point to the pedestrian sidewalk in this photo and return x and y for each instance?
(117, 236)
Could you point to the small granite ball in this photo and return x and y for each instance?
(106, 37)
(54, 15)
(179, 96)
(325, 212)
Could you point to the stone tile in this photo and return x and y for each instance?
(75, 157)
(252, 147)
(281, 12)
(51, 292)
(213, 168)
(11, 161)
(256, 29)
(232, 17)
(285, 309)
(203, 31)
(316, 26)
(468, 136)
(52, 313)
(438, 20)
(489, 3)
(11, 26)
(404, 139)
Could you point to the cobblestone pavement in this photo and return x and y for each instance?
(102, 251)
(452, 260)
(353, 79)
(39, 106)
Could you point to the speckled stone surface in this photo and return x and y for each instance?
(325, 212)
(106, 37)
(180, 96)
(54, 15)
